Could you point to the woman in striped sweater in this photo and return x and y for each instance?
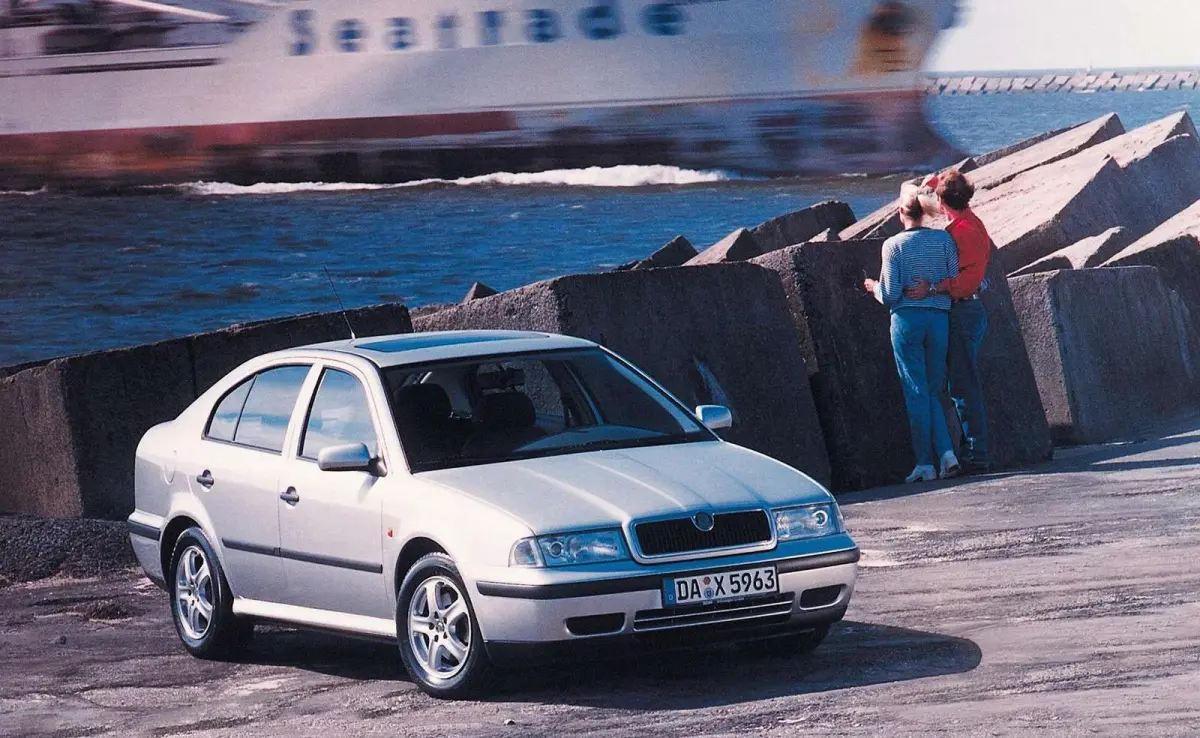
(920, 330)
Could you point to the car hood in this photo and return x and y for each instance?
(604, 488)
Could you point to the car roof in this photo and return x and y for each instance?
(419, 348)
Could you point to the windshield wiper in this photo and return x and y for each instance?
(624, 443)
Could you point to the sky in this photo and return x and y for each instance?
(1070, 34)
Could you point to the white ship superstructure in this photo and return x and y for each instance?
(139, 91)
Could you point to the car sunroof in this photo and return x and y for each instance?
(418, 341)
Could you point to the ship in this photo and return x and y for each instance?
(116, 93)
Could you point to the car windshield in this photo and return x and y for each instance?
(494, 409)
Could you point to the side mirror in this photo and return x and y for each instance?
(351, 457)
(714, 417)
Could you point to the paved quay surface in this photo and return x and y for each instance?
(1061, 601)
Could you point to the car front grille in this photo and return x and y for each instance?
(680, 535)
(775, 608)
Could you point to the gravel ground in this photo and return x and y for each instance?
(37, 548)
(1060, 601)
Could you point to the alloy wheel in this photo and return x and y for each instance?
(194, 593)
(439, 628)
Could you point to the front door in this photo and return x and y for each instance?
(329, 522)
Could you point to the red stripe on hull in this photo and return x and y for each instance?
(131, 140)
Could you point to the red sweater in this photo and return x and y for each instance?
(974, 250)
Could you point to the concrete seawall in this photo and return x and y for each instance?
(69, 428)
(790, 342)
(1076, 81)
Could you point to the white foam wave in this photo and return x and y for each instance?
(22, 193)
(619, 176)
(273, 188)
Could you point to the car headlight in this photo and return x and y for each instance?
(569, 549)
(808, 521)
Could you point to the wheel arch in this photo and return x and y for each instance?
(170, 535)
(413, 550)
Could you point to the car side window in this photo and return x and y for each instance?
(268, 409)
(340, 414)
(223, 423)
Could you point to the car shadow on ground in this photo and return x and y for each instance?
(854, 655)
(321, 653)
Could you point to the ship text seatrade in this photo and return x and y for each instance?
(120, 92)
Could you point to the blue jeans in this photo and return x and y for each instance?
(968, 325)
(919, 337)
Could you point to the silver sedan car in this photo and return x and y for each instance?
(478, 498)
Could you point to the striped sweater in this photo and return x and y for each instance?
(918, 252)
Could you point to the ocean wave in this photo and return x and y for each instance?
(619, 176)
(23, 193)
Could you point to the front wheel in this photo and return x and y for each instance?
(439, 638)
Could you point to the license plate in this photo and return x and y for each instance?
(704, 589)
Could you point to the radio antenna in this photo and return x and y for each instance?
(345, 316)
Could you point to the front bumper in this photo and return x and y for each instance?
(520, 621)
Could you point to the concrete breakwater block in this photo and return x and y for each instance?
(847, 348)
(1047, 151)
(72, 425)
(1174, 248)
(846, 345)
(737, 246)
(710, 334)
(677, 252)
(777, 233)
(1088, 253)
(1137, 181)
(478, 291)
(980, 160)
(802, 225)
(1106, 375)
(1001, 165)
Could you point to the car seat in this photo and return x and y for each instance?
(423, 417)
(509, 421)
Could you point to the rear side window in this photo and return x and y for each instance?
(223, 423)
(267, 409)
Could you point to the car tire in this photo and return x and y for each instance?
(796, 644)
(202, 603)
(438, 633)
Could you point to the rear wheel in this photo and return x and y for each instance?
(202, 603)
(439, 638)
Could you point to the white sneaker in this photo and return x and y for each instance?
(921, 474)
(950, 466)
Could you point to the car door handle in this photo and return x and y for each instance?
(206, 480)
(290, 497)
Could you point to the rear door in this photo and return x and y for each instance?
(330, 527)
(235, 474)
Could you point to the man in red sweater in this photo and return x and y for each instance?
(968, 319)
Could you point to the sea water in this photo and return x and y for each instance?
(81, 273)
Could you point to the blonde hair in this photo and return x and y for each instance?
(910, 205)
(918, 202)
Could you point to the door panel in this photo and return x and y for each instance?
(243, 505)
(330, 537)
(331, 542)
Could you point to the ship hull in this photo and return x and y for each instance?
(860, 133)
(774, 94)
